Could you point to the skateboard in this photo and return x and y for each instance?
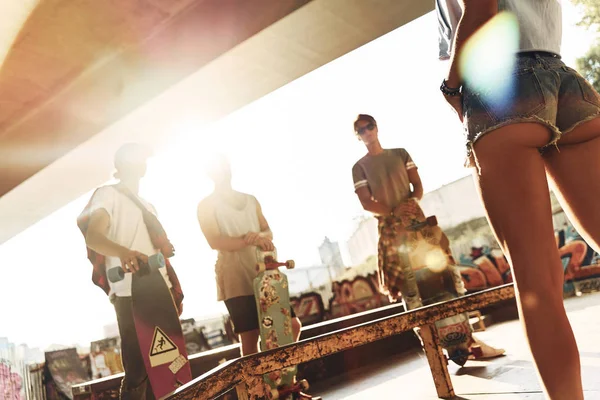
(158, 328)
(275, 323)
(431, 278)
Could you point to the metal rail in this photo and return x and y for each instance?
(249, 369)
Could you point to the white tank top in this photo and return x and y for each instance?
(235, 270)
(540, 24)
(237, 222)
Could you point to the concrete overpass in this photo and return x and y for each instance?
(80, 78)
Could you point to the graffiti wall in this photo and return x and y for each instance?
(350, 296)
(11, 383)
(309, 308)
(105, 357)
(486, 267)
(356, 295)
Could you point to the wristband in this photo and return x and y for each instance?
(448, 91)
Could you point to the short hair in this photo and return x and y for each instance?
(216, 165)
(363, 117)
(131, 153)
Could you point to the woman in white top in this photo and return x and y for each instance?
(234, 225)
(548, 126)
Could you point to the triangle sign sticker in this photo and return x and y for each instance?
(161, 343)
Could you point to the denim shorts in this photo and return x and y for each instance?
(544, 90)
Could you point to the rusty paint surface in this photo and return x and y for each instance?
(437, 361)
(202, 363)
(219, 380)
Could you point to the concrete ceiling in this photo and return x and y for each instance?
(78, 66)
(81, 74)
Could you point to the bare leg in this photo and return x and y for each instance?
(575, 173)
(513, 186)
(249, 342)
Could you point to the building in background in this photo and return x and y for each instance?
(331, 257)
(454, 203)
(111, 330)
(363, 241)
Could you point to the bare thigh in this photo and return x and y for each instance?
(574, 170)
(512, 184)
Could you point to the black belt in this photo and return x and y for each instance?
(539, 53)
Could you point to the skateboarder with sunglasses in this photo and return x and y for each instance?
(388, 185)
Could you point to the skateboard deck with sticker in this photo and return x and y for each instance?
(158, 329)
(273, 304)
(431, 268)
(272, 296)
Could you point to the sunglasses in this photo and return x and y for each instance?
(362, 130)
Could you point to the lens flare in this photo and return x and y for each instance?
(488, 60)
(425, 255)
(436, 260)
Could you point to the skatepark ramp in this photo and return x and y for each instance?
(336, 364)
(247, 371)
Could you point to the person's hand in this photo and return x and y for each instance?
(399, 209)
(180, 308)
(130, 260)
(456, 102)
(265, 244)
(251, 238)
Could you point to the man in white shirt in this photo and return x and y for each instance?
(116, 235)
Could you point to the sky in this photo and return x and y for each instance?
(293, 149)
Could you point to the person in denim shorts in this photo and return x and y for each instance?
(546, 129)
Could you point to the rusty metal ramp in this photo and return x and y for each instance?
(407, 376)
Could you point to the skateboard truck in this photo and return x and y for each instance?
(269, 262)
(155, 261)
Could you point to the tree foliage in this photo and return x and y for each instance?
(591, 13)
(589, 64)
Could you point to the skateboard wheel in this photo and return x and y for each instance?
(261, 267)
(290, 264)
(115, 274)
(156, 261)
(304, 384)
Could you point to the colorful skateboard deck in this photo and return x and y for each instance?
(158, 329)
(275, 324)
(426, 263)
(274, 315)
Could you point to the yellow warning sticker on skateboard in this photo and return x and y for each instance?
(163, 349)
